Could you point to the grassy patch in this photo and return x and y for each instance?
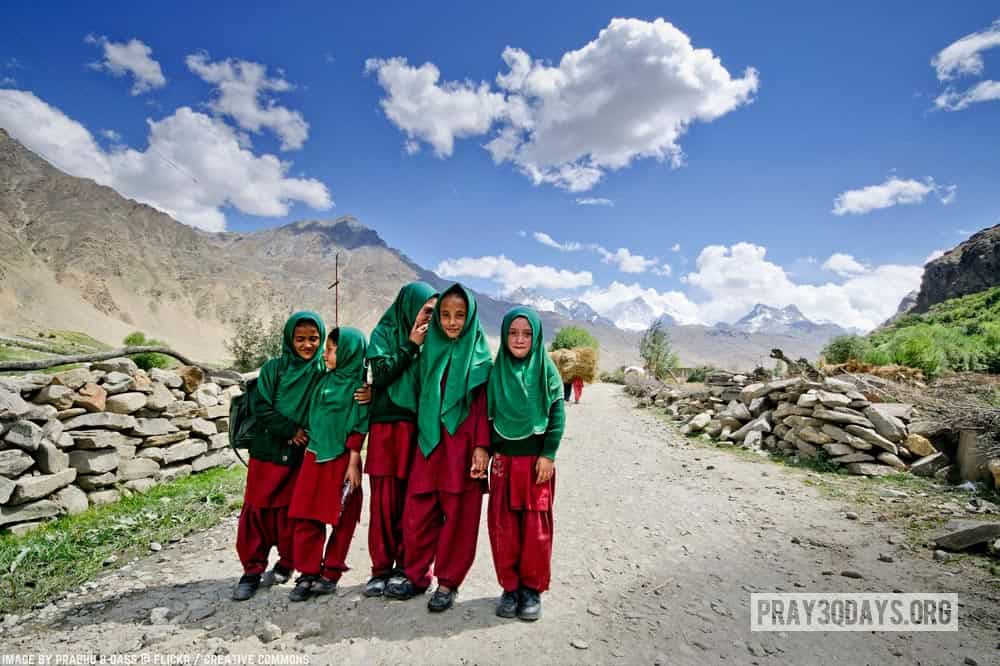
(71, 550)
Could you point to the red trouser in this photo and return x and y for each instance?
(441, 528)
(258, 531)
(519, 518)
(310, 557)
(385, 527)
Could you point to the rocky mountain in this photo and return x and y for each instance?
(634, 315)
(77, 255)
(971, 267)
(784, 321)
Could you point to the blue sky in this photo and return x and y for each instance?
(724, 161)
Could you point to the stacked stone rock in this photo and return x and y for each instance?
(801, 417)
(90, 435)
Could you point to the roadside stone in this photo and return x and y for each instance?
(850, 515)
(6, 489)
(21, 529)
(869, 469)
(760, 424)
(103, 420)
(181, 409)
(90, 482)
(163, 440)
(753, 440)
(840, 417)
(789, 409)
(873, 438)
(137, 468)
(213, 413)
(580, 644)
(928, 466)
(835, 449)
(191, 377)
(91, 397)
(814, 436)
(310, 630)
(805, 449)
(60, 397)
(25, 435)
(203, 428)
(102, 497)
(94, 462)
(91, 440)
(929, 429)
(168, 378)
(28, 512)
(885, 423)
(204, 398)
(31, 488)
(172, 472)
(152, 427)
(268, 632)
(838, 385)
(886, 557)
(71, 500)
(118, 364)
(852, 458)
(828, 399)
(12, 405)
(160, 398)
(941, 556)
(210, 460)
(50, 459)
(67, 414)
(40, 413)
(14, 462)
(126, 403)
(155, 453)
(72, 379)
(218, 441)
(125, 451)
(140, 485)
(892, 460)
(851, 573)
(52, 430)
(189, 448)
(919, 445)
(967, 536)
(697, 424)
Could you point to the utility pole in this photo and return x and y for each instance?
(336, 289)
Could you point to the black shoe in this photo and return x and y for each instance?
(278, 575)
(441, 601)
(507, 605)
(530, 607)
(247, 587)
(403, 590)
(375, 587)
(303, 588)
(324, 585)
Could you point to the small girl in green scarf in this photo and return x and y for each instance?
(444, 496)
(328, 488)
(525, 402)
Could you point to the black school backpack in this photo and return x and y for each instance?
(242, 421)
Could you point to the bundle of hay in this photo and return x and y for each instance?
(576, 363)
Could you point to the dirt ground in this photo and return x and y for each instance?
(658, 547)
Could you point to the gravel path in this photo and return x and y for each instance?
(658, 546)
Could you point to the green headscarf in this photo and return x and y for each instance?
(392, 332)
(288, 380)
(521, 391)
(333, 412)
(467, 361)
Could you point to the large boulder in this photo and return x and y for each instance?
(31, 488)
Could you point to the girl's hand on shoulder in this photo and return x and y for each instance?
(480, 460)
(419, 332)
(354, 471)
(544, 469)
(363, 395)
(301, 438)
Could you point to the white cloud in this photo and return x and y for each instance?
(434, 113)
(594, 201)
(111, 135)
(893, 192)
(605, 300)
(984, 91)
(131, 57)
(512, 276)
(844, 265)
(933, 255)
(676, 247)
(665, 270)
(243, 86)
(545, 239)
(193, 168)
(963, 57)
(625, 260)
(629, 94)
(737, 277)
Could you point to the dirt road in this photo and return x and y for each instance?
(658, 546)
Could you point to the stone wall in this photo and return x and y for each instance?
(90, 435)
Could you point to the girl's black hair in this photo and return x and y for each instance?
(334, 336)
(456, 290)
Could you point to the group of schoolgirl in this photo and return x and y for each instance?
(438, 411)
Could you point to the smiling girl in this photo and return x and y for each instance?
(525, 403)
(280, 404)
(392, 440)
(328, 489)
(446, 486)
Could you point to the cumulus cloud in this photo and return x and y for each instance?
(179, 172)
(625, 260)
(545, 239)
(434, 113)
(594, 201)
(512, 276)
(984, 91)
(893, 192)
(243, 89)
(665, 270)
(129, 58)
(605, 300)
(676, 247)
(629, 94)
(111, 135)
(964, 56)
(844, 265)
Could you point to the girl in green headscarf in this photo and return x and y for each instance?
(392, 439)
(525, 403)
(328, 489)
(445, 490)
(280, 403)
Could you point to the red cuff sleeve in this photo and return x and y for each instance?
(355, 441)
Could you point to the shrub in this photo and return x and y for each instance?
(916, 348)
(573, 336)
(616, 377)
(656, 352)
(254, 341)
(149, 360)
(699, 374)
(844, 348)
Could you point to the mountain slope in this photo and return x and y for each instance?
(971, 267)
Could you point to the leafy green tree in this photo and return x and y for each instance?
(573, 336)
(656, 352)
(255, 341)
(149, 360)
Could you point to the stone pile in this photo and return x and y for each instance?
(92, 434)
(829, 418)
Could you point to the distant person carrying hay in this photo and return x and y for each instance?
(576, 366)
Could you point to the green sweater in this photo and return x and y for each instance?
(271, 441)
(385, 370)
(544, 444)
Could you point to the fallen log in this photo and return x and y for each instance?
(43, 363)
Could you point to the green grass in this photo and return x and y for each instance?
(69, 551)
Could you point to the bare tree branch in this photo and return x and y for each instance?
(41, 364)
